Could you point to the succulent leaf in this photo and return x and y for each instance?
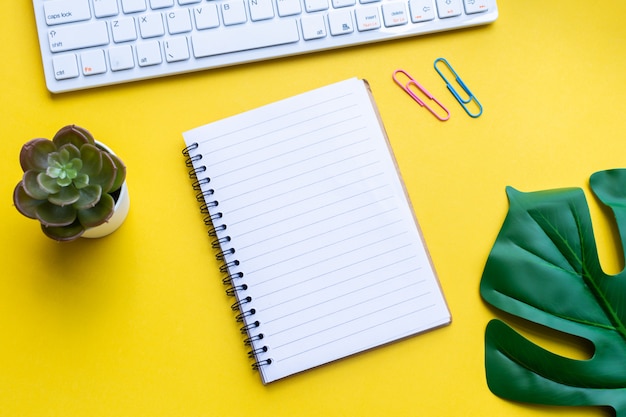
(32, 187)
(73, 134)
(106, 176)
(66, 196)
(81, 181)
(52, 215)
(64, 155)
(98, 214)
(47, 183)
(34, 154)
(77, 164)
(64, 233)
(73, 151)
(64, 182)
(24, 203)
(54, 170)
(121, 172)
(92, 160)
(89, 197)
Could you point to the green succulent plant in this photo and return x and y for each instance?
(69, 183)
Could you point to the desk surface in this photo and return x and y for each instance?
(137, 324)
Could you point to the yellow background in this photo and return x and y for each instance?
(137, 324)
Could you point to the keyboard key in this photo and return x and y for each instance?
(241, 38)
(261, 9)
(421, 10)
(476, 6)
(123, 30)
(234, 12)
(134, 6)
(367, 18)
(83, 35)
(176, 49)
(121, 58)
(184, 2)
(93, 62)
(66, 11)
(449, 8)
(315, 5)
(149, 53)
(178, 21)
(65, 67)
(161, 4)
(340, 23)
(313, 27)
(288, 7)
(395, 14)
(206, 17)
(105, 8)
(151, 25)
(343, 3)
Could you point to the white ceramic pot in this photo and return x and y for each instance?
(119, 215)
(122, 205)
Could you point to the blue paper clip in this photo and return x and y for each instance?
(406, 86)
(462, 101)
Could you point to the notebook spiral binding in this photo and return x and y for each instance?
(222, 242)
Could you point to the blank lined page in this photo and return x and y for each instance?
(332, 258)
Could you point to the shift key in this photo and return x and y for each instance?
(82, 35)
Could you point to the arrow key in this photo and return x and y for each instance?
(449, 8)
(421, 10)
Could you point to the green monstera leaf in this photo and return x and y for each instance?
(544, 268)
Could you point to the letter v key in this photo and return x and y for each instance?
(206, 17)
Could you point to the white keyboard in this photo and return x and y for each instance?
(89, 43)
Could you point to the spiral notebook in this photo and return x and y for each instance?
(314, 230)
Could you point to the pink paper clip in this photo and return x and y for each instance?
(406, 86)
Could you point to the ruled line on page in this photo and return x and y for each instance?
(328, 243)
(340, 254)
(294, 164)
(283, 141)
(316, 208)
(272, 120)
(323, 220)
(329, 290)
(333, 176)
(266, 225)
(358, 318)
(345, 266)
(308, 185)
(341, 295)
(344, 307)
(350, 335)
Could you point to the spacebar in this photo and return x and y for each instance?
(242, 38)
